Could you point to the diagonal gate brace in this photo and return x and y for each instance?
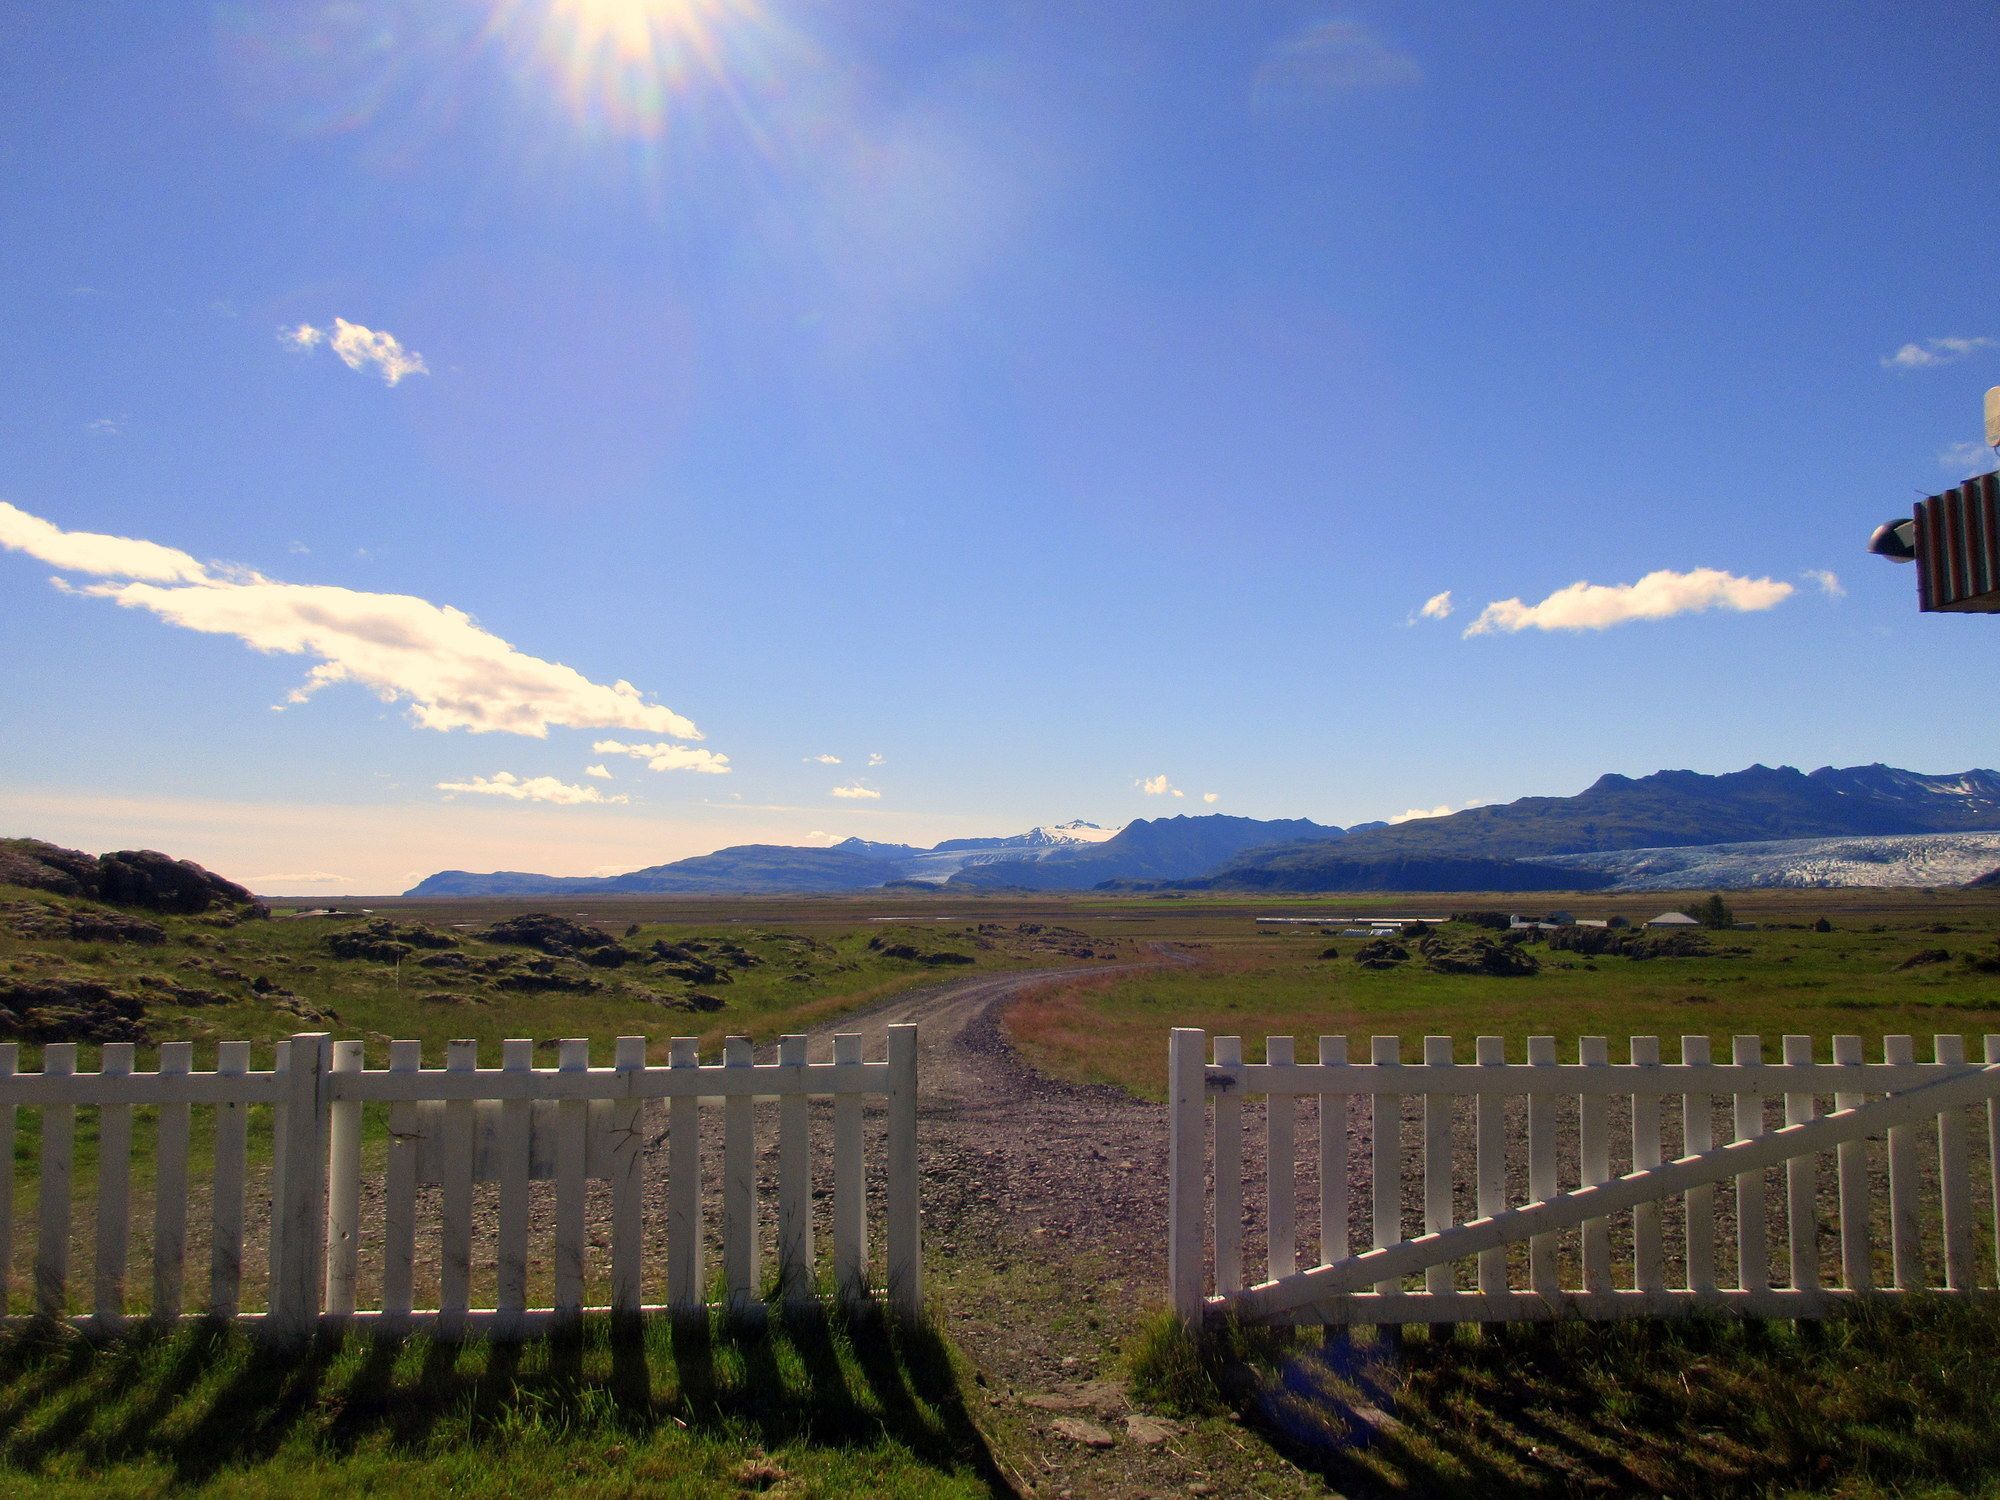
(1566, 1210)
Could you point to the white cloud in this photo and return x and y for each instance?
(310, 877)
(1411, 815)
(1154, 786)
(1828, 581)
(1437, 607)
(876, 758)
(1657, 596)
(531, 789)
(665, 757)
(106, 426)
(1934, 352)
(359, 347)
(856, 792)
(1211, 797)
(602, 773)
(94, 552)
(1329, 58)
(823, 760)
(1966, 458)
(453, 674)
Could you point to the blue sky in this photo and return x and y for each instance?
(1040, 400)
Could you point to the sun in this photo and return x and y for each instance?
(620, 65)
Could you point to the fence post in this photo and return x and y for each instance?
(297, 1225)
(906, 1297)
(1187, 1123)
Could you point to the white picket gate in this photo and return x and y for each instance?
(451, 1128)
(1899, 1098)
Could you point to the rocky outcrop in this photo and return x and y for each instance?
(1479, 956)
(561, 938)
(69, 1010)
(1635, 943)
(1383, 953)
(386, 942)
(77, 924)
(144, 878)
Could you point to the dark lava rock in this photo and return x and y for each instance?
(1924, 956)
(457, 962)
(1822, 925)
(47, 867)
(1383, 953)
(130, 877)
(180, 994)
(679, 962)
(1495, 921)
(69, 1010)
(1329, 952)
(558, 937)
(264, 986)
(365, 945)
(912, 954)
(33, 920)
(705, 1002)
(1635, 943)
(537, 975)
(1480, 956)
(159, 882)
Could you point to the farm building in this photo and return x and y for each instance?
(1673, 919)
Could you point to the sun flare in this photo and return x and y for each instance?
(620, 64)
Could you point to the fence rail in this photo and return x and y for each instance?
(450, 1129)
(1497, 1140)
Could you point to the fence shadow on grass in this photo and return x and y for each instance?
(203, 1398)
(1712, 1406)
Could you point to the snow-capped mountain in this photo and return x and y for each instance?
(938, 865)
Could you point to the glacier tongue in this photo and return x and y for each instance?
(1896, 859)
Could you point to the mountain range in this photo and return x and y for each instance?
(1497, 848)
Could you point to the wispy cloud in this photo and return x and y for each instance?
(601, 773)
(452, 673)
(665, 757)
(1437, 607)
(1828, 581)
(876, 758)
(856, 792)
(823, 760)
(529, 789)
(1329, 58)
(106, 426)
(1967, 458)
(309, 877)
(1657, 596)
(1930, 352)
(359, 348)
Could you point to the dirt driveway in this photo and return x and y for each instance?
(1045, 1244)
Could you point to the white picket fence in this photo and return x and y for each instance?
(450, 1128)
(1466, 1210)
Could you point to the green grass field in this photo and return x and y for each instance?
(1894, 1402)
(1251, 981)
